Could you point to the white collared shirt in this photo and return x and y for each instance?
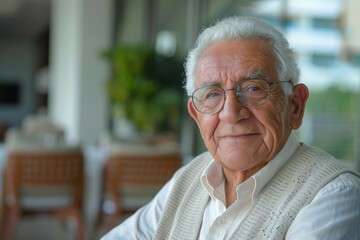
(219, 221)
(338, 201)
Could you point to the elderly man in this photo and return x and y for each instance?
(257, 181)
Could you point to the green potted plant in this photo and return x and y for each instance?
(134, 93)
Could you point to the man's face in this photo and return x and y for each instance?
(240, 138)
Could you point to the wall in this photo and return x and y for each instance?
(18, 59)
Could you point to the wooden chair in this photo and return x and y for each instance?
(43, 181)
(132, 179)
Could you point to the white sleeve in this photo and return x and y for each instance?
(142, 224)
(334, 213)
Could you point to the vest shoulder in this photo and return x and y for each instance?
(200, 161)
(317, 155)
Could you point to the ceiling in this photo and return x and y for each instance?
(24, 18)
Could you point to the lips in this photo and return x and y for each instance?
(240, 136)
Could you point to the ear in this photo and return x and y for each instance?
(192, 111)
(298, 102)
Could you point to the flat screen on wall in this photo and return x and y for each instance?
(9, 93)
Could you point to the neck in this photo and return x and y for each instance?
(230, 194)
(234, 179)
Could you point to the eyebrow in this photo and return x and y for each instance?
(254, 74)
(209, 84)
(257, 74)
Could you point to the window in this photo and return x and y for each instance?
(322, 23)
(331, 120)
(355, 59)
(9, 92)
(323, 60)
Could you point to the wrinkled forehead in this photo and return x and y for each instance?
(236, 60)
(257, 73)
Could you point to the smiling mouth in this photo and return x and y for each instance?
(239, 136)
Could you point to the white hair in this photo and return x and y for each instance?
(237, 27)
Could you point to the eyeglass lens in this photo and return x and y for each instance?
(249, 93)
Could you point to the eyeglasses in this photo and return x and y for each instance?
(249, 93)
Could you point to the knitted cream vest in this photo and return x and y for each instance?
(293, 187)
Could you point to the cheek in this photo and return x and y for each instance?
(275, 121)
(275, 118)
(280, 109)
(207, 126)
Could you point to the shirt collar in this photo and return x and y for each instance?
(263, 176)
(213, 179)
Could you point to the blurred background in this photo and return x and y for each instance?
(94, 73)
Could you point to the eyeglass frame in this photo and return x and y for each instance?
(270, 83)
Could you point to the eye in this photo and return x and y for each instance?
(214, 93)
(209, 93)
(253, 86)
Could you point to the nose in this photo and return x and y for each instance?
(232, 110)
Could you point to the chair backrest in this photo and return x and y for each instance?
(44, 167)
(43, 180)
(141, 169)
(139, 174)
